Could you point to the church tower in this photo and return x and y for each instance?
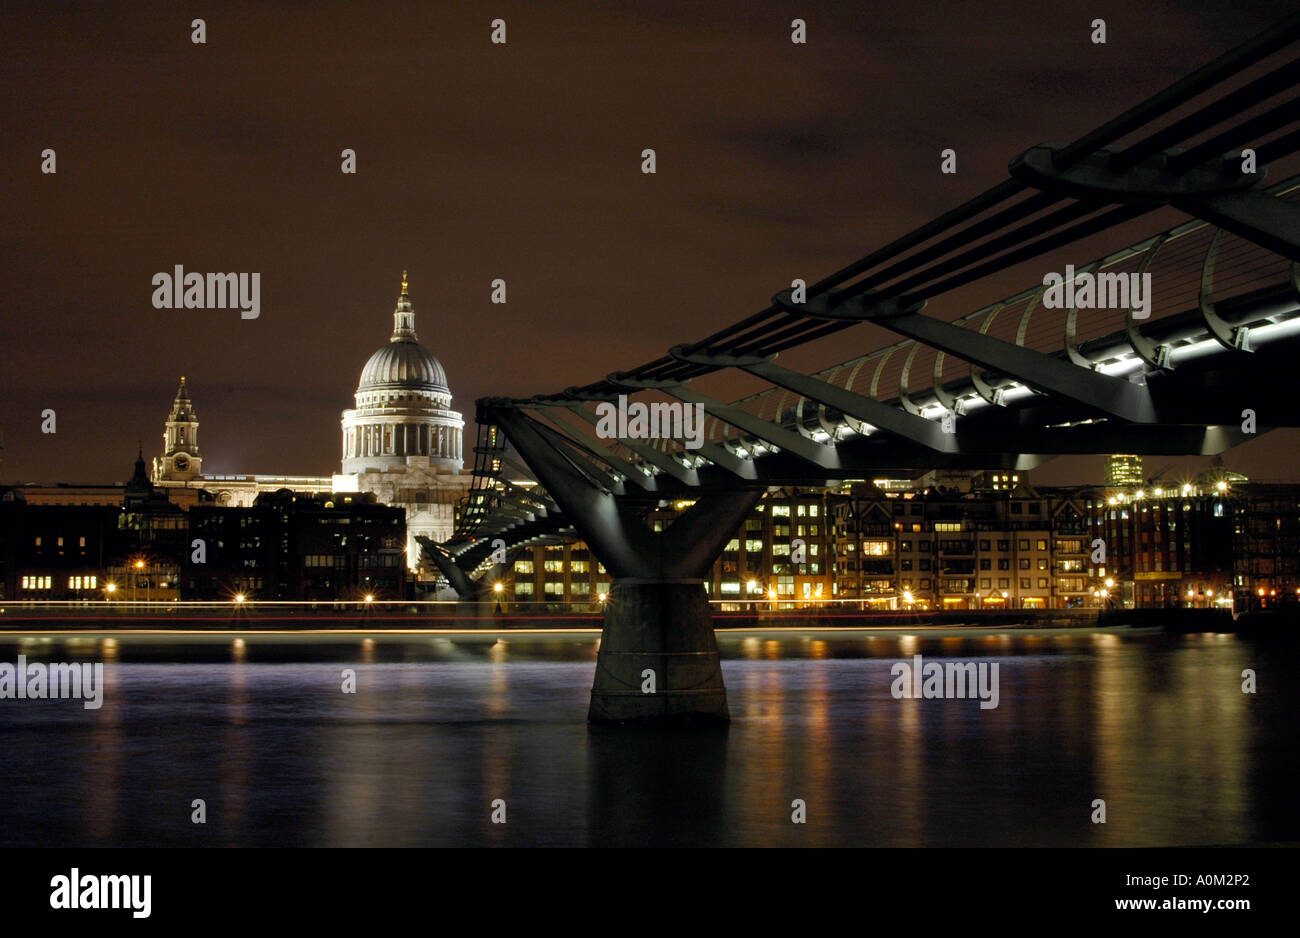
(180, 460)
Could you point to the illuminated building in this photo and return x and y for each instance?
(177, 470)
(402, 441)
(180, 461)
(1123, 470)
(985, 548)
(1163, 541)
(74, 550)
(1266, 546)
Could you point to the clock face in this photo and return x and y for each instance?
(181, 463)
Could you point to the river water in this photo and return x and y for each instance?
(442, 727)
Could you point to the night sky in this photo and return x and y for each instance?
(477, 161)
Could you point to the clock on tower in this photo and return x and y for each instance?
(180, 460)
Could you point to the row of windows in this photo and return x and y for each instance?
(1025, 583)
(801, 511)
(325, 560)
(579, 588)
(558, 566)
(986, 583)
(918, 508)
(984, 545)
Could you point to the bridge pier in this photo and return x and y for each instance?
(658, 658)
(657, 615)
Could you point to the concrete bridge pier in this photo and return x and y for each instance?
(658, 657)
(657, 616)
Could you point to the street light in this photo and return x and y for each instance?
(239, 597)
(139, 566)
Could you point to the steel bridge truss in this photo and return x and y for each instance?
(1005, 386)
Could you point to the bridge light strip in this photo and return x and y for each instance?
(1127, 362)
(1258, 335)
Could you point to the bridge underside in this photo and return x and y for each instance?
(1214, 369)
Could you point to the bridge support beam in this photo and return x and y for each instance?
(1109, 395)
(457, 577)
(658, 658)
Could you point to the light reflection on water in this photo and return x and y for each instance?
(1157, 726)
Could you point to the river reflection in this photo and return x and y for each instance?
(440, 729)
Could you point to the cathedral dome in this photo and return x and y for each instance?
(402, 365)
(403, 418)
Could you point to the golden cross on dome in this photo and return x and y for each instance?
(403, 281)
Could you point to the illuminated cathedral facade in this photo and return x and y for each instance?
(401, 441)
